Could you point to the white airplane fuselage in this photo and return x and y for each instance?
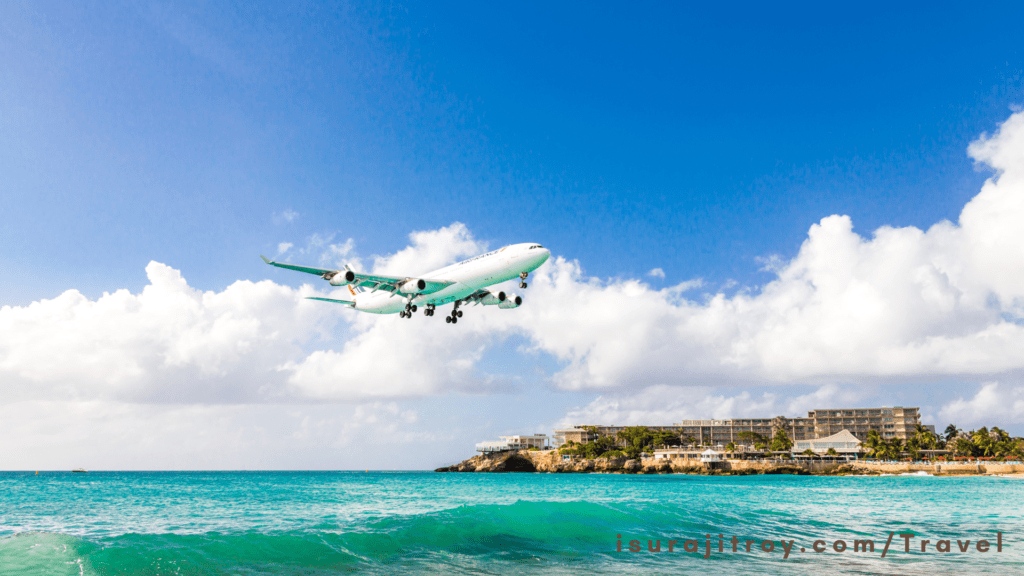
(468, 276)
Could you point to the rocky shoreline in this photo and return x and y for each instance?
(550, 461)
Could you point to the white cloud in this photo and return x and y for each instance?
(112, 435)
(657, 273)
(995, 404)
(903, 303)
(288, 216)
(431, 250)
(283, 247)
(662, 404)
(168, 343)
(391, 357)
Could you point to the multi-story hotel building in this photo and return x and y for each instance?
(896, 422)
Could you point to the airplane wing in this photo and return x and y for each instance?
(477, 296)
(372, 281)
(346, 302)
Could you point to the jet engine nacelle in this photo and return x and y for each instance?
(512, 301)
(414, 286)
(493, 298)
(342, 278)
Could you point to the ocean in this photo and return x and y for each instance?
(318, 523)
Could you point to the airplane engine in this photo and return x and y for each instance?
(493, 298)
(512, 301)
(414, 286)
(342, 278)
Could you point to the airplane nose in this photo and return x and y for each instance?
(545, 254)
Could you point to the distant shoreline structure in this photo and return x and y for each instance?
(551, 461)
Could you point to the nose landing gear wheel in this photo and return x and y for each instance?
(522, 285)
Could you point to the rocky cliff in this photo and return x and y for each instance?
(552, 461)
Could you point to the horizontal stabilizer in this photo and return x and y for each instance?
(347, 302)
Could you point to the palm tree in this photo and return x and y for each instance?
(983, 440)
(896, 448)
(951, 432)
(873, 444)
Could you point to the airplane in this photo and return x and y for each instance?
(464, 282)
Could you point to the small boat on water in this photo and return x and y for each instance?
(79, 471)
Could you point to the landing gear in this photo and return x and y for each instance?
(456, 314)
(428, 310)
(522, 280)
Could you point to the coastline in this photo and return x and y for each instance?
(549, 461)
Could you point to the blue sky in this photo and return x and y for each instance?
(691, 139)
(701, 140)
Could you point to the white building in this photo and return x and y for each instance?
(517, 442)
(843, 442)
(710, 455)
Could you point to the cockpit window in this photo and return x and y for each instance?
(535, 246)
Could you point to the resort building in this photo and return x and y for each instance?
(895, 422)
(518, 442)
(577, 435)
(843, 442)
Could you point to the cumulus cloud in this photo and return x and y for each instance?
(391, 357)
(170, 342)
(662, 404)
(994, 404)
(903, 302)
(114, 435)
(288, 216)
(657, 273)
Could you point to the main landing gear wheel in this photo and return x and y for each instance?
(401, 314)
(459, 312)
(414, 308)
(448, 319)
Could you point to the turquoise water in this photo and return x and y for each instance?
(311, 523)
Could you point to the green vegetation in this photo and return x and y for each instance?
(634, 441)
(630, 442)
(781, 441)
(980, 443)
